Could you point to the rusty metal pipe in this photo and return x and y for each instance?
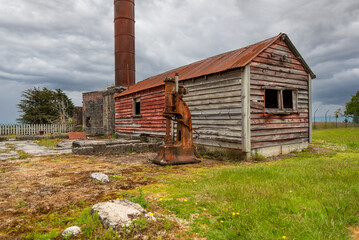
(124, 20)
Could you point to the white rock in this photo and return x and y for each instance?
(71, 231)
(116, 214)
(100, 177)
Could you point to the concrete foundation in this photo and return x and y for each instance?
(277, 150)
(112, 146)
(219, 152)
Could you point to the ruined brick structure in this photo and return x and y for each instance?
(77, 118)
(99, 112)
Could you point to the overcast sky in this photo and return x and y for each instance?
(68, 44)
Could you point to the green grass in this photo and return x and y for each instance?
(347, 137)
(20, 204)
(312, 196)
(47, 142)
(23, 155)
(12, 136)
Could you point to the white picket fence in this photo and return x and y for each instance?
(34, 129)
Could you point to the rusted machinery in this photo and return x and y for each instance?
(181, 151)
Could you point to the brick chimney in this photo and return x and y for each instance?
(125, 73)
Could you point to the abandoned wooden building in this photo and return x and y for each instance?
(254, 99)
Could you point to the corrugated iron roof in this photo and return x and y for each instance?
(219, 63)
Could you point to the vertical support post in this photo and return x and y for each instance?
(176, 83)
(173, 130)
(246, 111)
(310, 108)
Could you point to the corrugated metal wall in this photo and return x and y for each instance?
(269, 70)
(215, 105)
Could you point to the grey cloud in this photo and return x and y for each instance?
(69, 44)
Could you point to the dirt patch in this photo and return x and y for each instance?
(355, 233)
(45, 185)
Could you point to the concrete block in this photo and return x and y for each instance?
(99, 148)
(83, 150)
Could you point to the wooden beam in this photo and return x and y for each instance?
(246, 107)
(310, 107)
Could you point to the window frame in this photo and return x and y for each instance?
(281, 109)
(134, 107)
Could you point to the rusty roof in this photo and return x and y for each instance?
(219, 63)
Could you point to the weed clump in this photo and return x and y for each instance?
(47, 142)
(140, 199)
(258, 157)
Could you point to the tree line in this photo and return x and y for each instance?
(45, 106)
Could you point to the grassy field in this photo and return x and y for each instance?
(312, 194)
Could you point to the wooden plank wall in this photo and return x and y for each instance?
(151, 121)
(215, 105)
(268, 69)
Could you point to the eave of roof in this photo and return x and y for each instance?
(219, 63)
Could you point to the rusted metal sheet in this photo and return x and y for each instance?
(226, 61)
(270, 68)
(230, 60)
(181, 151)
(124, 43)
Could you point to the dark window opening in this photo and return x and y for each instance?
(288, 99)
(271, 98)
(88, 122)
(179, 135)
(137, 106)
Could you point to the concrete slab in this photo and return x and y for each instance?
(10, 149)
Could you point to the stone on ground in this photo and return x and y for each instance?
(119, 213)
(71, 231)
(100, 177)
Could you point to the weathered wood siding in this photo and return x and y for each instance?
(267, 69)
(150, 122)
(215, 105)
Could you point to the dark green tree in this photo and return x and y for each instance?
(45, 106)
(352, 108)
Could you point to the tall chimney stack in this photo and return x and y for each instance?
(125, 72)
